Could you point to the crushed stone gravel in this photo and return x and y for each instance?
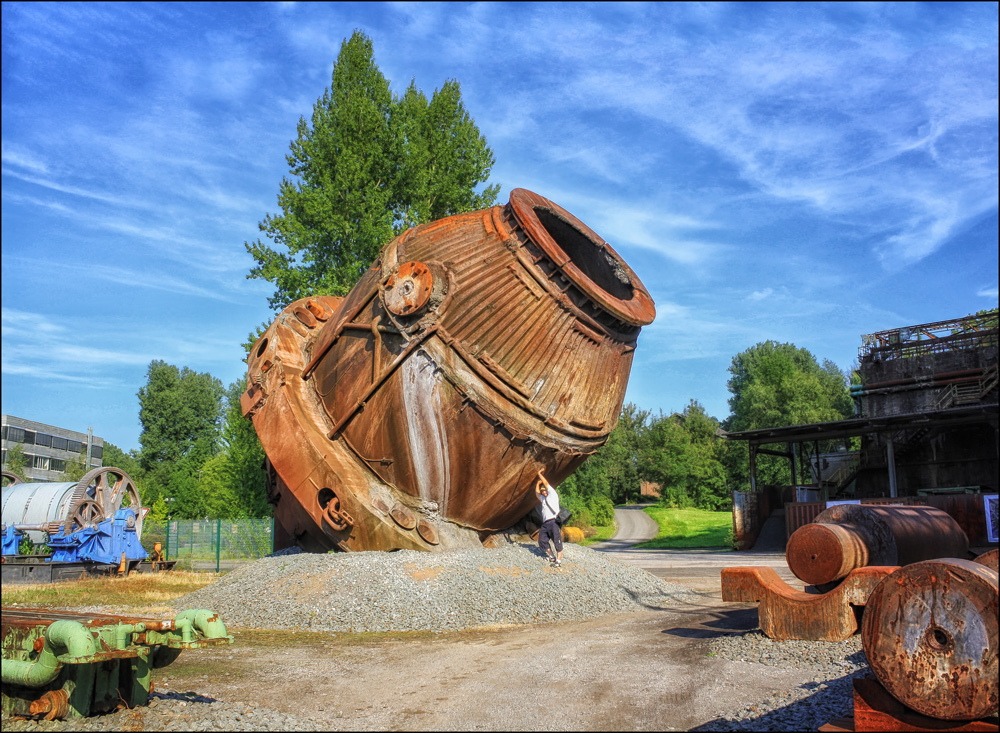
(826, 691)
(417, 591)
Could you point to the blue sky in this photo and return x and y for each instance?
(803, 173)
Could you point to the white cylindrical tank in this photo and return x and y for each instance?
(45, 507)
(36, 505)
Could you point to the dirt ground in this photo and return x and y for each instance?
(645, 671)
(641, 671)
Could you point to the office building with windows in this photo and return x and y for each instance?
(48, 449)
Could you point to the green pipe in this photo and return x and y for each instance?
(68, 639)
(207, 622)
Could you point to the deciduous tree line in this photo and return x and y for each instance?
(685, 454)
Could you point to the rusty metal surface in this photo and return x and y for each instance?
(877, 710)
(990, 558)
(786, 613)
(415, 412)
(930, 635)
(30, 617)
(53, 705)
(850, 536)
(822, 553)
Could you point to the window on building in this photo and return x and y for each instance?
(75, 446)
(29, 437)
(43, 439)
(40, 462)
(98, 452)
(59, 443)
(57, 464)
(15, 435)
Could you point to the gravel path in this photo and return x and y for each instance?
(176, 711)
(826, 691)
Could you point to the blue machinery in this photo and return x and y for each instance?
(92, 527)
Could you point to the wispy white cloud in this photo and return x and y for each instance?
(20, 323)
(20, 157)
(798, 106)
(989, 292)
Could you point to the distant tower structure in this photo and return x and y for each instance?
(48, 449)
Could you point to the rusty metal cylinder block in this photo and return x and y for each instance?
(849, 536)
(416, 411)
(930, 634)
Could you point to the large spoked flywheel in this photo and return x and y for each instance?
(100, 494)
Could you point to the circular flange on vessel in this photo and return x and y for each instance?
(930, 634)
(585, 258)
(408, 289)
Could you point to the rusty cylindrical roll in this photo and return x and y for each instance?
(849, 536)
(930, 635)
(416, 412)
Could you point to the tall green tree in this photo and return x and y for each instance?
(774, 385)
(365, 166)
(684, 456)
(244, 458)
(15, 460)
(180, 411)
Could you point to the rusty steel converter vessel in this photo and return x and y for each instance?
(415, 412)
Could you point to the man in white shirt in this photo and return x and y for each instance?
(550, 510)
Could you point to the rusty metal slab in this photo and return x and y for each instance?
(787, 613)
(415, 412)
(30, 617)
(876, 710)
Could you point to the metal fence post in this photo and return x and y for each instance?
(272, 535)
(166, 552)
(218, 543)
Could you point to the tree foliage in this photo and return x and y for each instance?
(180, 411)
(200, 457)
(684, 455)
(76, 468)
(774, 385)
(127, 462)
(243, 459)
(15, 461)
(364, 167)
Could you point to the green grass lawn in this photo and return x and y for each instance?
(683, 528)
(603, 533)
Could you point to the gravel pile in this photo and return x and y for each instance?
(176, 711)
(826, 691)
(418, 591)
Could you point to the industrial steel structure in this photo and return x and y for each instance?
(416, 411)
(927, 420)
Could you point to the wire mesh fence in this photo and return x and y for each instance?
(216, 545)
